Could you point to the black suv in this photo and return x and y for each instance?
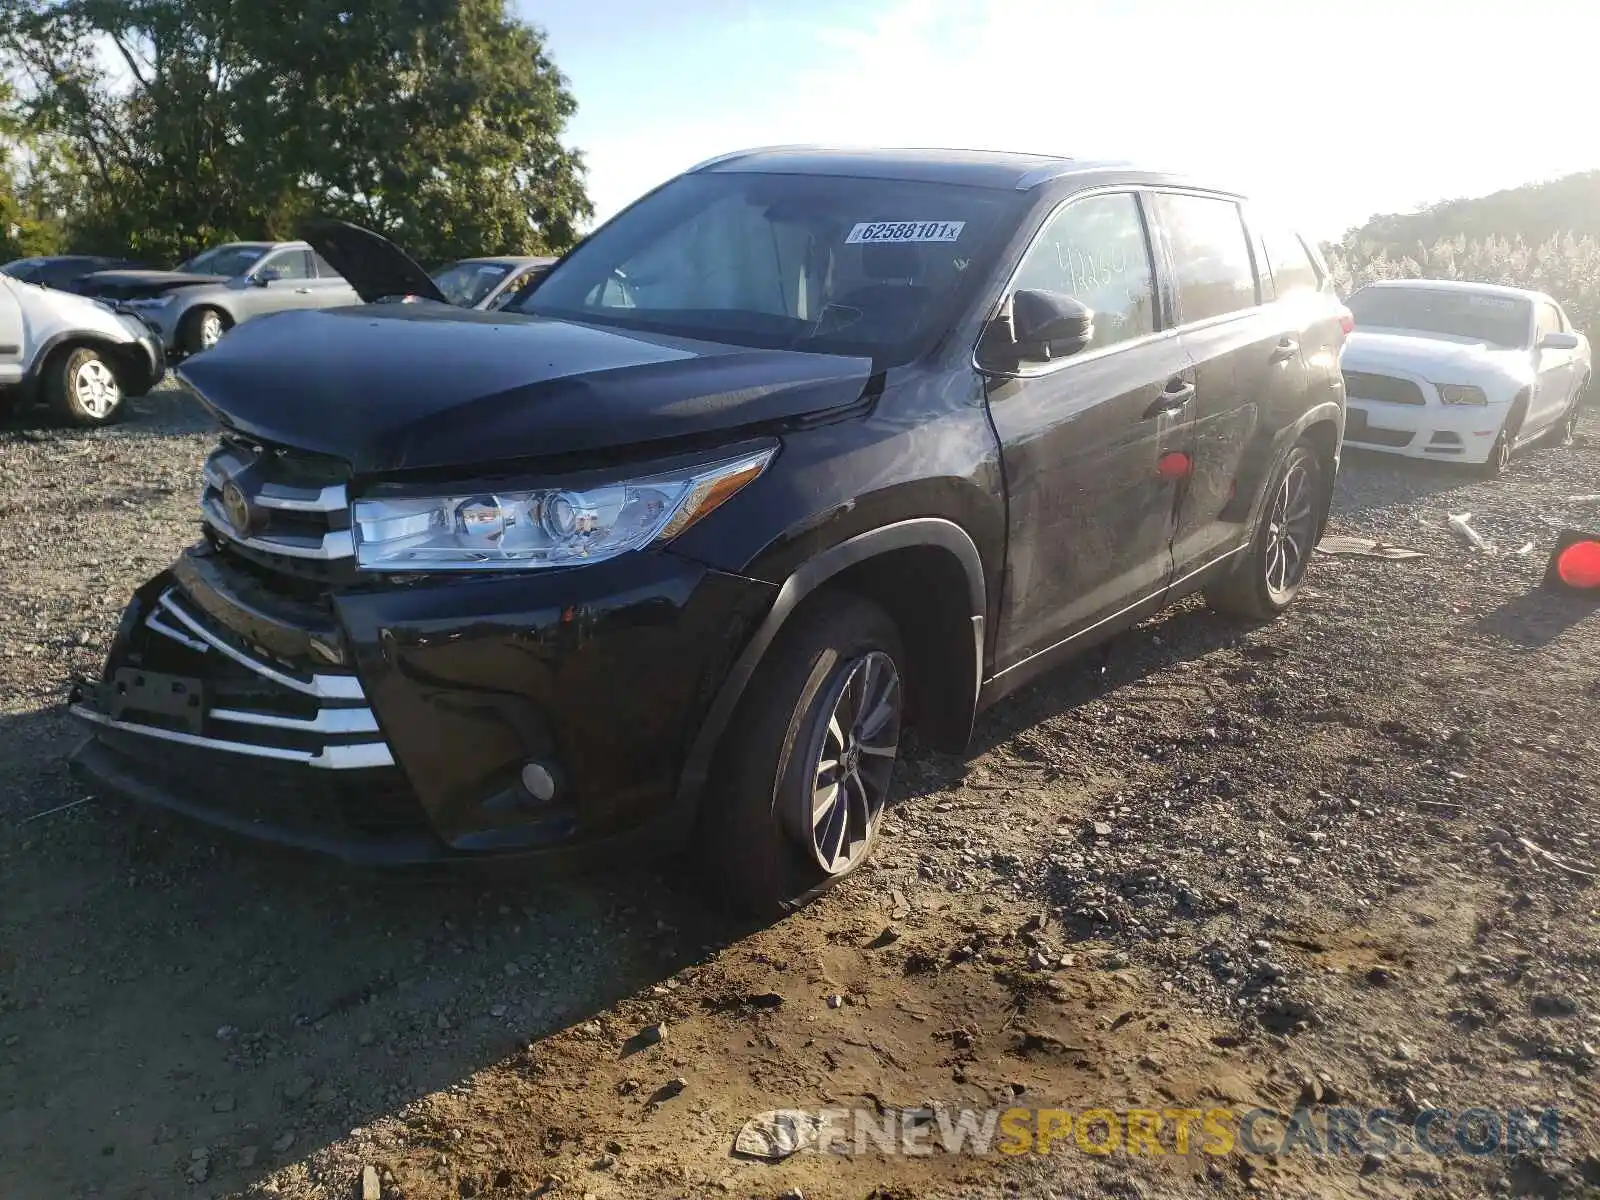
(804, 449)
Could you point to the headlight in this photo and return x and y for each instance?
(1461, 393)
(551, 527)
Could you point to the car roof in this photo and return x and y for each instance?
(973, 168)
(1457, 285)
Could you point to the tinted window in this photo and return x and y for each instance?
(1211, 256)
(830, 264)
(1500, 321)
(1293, 272)
(1095, 250)
(323, 267)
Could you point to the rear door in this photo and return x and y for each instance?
(1249, 370)
(1090, 514)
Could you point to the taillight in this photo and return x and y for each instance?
(1347, 322)
(1575, 564)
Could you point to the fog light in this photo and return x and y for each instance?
(539, 781)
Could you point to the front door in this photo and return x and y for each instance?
(11, 335)
(1556, 371)
(1083, 440)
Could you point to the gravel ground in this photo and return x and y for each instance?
(1345, 856)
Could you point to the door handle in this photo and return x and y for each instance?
(1286, 349)
(1171, 401)
(302, 291)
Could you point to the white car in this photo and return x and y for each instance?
(74, 355)
(1463, 372)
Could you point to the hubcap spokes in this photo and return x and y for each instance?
(1289, 530)
(855, 762)
(96, 388)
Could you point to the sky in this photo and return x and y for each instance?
(1332, 109)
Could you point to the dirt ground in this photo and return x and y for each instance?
(1346, 858)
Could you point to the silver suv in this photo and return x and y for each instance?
(193, 306)
(73, 354)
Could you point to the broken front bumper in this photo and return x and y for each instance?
(393, 723)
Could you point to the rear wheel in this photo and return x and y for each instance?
(806, 766)
(1268, 577)
(81, 387)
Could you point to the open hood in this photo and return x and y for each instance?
(400, 387)
(369, 262)
(137, 285)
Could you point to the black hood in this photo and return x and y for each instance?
(369, 262)
(133, 285)
(420, 386)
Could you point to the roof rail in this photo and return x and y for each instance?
(1062, 168)
(733, 154)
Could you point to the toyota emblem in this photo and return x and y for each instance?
(242, 515)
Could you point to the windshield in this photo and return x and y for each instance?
(466, 283)
(223, 260)
(22, 268)
(870, 267)
(1504, 322)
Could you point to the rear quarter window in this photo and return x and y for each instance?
(1294, 271)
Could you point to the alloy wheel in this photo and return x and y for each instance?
(95, 388)
(852, 762)
(1291, 526)
(210, 330)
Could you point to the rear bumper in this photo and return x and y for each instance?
(391, 725)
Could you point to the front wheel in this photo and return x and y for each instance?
(82, 388)
(202, 329)
(804, 775)
(1268, 576)
(1499, 460)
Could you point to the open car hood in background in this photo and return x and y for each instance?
(369, 262)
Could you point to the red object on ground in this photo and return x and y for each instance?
(1578, 565)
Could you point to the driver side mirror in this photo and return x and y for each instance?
(265, 276)
(1558, 341)
(1042, 327)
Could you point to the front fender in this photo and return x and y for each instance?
(806, 579)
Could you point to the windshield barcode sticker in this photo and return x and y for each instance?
(1496, 302)
(906, 231)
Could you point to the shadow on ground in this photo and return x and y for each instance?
(166, 412)
(164, 993)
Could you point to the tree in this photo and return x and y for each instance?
(438, 122)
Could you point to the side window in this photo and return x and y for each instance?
(1210, 255)
(1293, 272)
(1549, 319)
(1095, 250)
(289, 264)
(323, 267)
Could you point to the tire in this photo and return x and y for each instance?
(1269, 576)
(1499, 460)
(765, 846)
(81, 387)
(202, 329)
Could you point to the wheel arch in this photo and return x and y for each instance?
(119, 354)
(927, 573)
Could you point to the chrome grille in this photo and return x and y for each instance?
(294, 511)
(263, 708)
